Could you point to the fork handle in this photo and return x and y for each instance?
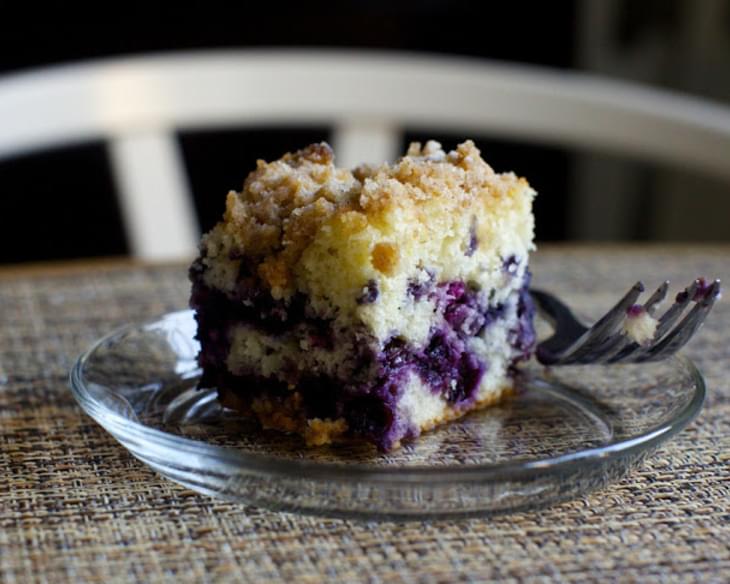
(560, 318)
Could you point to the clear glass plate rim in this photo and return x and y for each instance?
(364, 472)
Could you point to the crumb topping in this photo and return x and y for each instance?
(289, 204)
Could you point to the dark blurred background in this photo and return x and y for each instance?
(67, 196)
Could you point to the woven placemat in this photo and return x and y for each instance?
(74, 506)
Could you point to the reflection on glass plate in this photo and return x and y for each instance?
(567, 431)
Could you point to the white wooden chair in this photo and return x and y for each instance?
(136, 104)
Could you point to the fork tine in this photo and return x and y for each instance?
(655, 299)
(675, 311)
(598, 333)
(679, 336)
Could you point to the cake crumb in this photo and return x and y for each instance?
(385, 257)
(320, 432)
(285, 416)
(639, 325)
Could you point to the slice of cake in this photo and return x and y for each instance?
(371, 304)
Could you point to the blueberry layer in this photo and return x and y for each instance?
(249, 303)
(368, 400)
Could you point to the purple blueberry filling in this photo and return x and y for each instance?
(473, 239)
(703, 288)
(417, 289)
(463, 311)
(634, 310)
(248, 303)
(368, 400)
(522, 336)
(369, 294)
(511, 264)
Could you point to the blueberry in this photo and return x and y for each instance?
(703, 287)
(634, 310)
(369, 416)
(510, 265)
(418, 289)
(369, 293)
(473, 239)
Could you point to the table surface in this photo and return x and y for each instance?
(75, 506)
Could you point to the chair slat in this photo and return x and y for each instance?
(156, 203)
(358, 141)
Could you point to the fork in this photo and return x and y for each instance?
(607, 342)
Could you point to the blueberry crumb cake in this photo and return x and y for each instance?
(369, 304)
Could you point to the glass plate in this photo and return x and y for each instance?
(567, 431)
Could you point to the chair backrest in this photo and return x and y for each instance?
(138, 103)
